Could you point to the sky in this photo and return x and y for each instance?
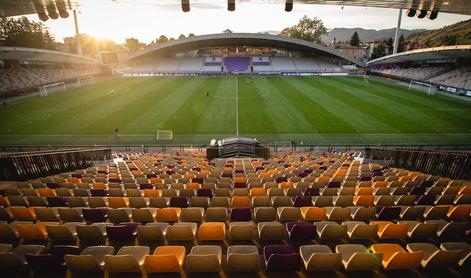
(121, 19)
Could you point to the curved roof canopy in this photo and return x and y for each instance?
(238, 39)
(43, 55)
(434, 53)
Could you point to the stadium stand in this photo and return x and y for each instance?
(179, 212)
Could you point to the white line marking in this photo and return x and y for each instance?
(237, 105)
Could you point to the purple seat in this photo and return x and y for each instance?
(114, 180)
(301, 201)
(417, 190)
(240, 185)
(427, 183)
(99, 192)
(301, 230)
(150, 176)
(311, 191)
(333, 184)
(364, 178)
(204, 192)
(57, 201)
(302, 174)
(74, 175)
(179, 202)
(227, 175)
(121, 233)
(237, 64)
(388, 213)
(426, 200)
(61, 250)
(197, 180)
(281, 258)
(281, 179)
(239, 171)
(94, 215)
(143, 186)
(170, 172)
(53, 185)
(241, 214)
(45, 263)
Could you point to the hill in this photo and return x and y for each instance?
(344, 34)
(458, 33)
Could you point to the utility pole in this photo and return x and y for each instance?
(77, 35)
(398, 31)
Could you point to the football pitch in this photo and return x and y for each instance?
(304, 110)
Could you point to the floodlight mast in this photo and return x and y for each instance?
(77, 35)
(398, 31)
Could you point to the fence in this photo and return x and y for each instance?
(29, 165)
(446, 163)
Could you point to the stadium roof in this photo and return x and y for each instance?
(42, 55)
(23, 7)
(434, 53)
(238, 39)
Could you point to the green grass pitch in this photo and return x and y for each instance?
(311, 110)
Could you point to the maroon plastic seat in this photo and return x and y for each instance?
(281, 258)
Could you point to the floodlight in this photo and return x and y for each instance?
(422, 14)
(39, 6)
(186, 5)
(61, 7)
(231, 5)
(433, 15)
(52, 10)
(411, 12)
(289, 5)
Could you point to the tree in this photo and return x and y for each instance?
(307, 29)
(355, 39)
(181, 37)
(450, 40)
(402, 44)
(390, 44)
(133, 45)
(22, 32)
(191, 35)
(228, 31)
(378, 52)
(161, 39)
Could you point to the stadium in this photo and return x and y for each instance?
(234, 153)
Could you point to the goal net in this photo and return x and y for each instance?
(164, 135)
(422, 87)
(50, 88)
(85, 80)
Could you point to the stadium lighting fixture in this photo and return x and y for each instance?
(231, 5)
(40, 9)
(288, 5)
(411, 12)
(52, 10)
(433, 15)
(422, 14)
(61, 7)
(185, 6)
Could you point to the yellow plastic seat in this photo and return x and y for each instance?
(118, 202)
(459, 212)
(240, 201)
(396, 257)
(23, 214)
(46, 192)
(389, 230)
(152, 193)
(258, 192)
(34, 232)
(364, 200)
(313, 213)
(168, 214)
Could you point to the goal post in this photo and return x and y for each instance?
(421, 86)
(164, 135)
(55, 87)
(85, 80)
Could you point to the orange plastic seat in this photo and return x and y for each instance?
(193, 185)
(23, 214)
(156, 181)
(313, 213)
(73, 180)
(168, 214)
(323, 179)
(240, 201)
(118, 202)
(165, 259)
(465, 190)
(240, 180)
(152, 193)
(46, 192)
(459, 212)
(380, 184)
(405, 178)
(34, 231)
(4, 202)
(258, 192)
(390, 230)
(364, 191)
(212, 231)
(364, 200)
(99, 185)
(286, 185)
(396, 257)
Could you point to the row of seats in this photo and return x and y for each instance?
(152, 232)
(263, 213)
(239, 258)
